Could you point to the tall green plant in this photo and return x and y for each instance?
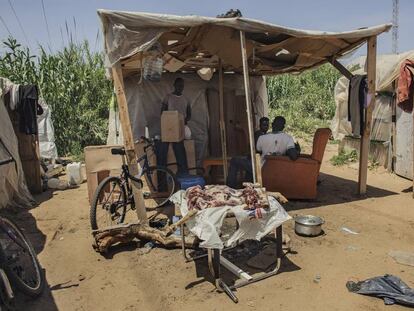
(305, 100)
(73, 83)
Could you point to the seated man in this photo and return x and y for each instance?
(277, 142)
(244, 163)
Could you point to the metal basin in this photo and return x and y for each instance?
(308, 225)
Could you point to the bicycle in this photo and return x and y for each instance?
(19, 267)
(114, 193)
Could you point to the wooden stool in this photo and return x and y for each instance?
(213, 161)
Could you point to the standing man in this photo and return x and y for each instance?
(244, 163)
(175, 101)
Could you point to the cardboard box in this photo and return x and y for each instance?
(100, 163)
(172, 126)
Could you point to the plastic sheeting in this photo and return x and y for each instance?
(13, 188)
(388, 287)
(206, 225)
(47, 146)
(145, 98)
(387, 72)
(404, 144)
(278, 49)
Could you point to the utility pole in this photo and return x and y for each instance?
(395, 13)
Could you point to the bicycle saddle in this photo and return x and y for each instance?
(120, 151)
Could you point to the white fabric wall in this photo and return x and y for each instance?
(145, 98)
(388, 68)
(47, 144)
(13, 188)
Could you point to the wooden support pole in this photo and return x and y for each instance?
(341, 68)
(366, 136)
(223, 135)
(392, 153)
(258, 163)
(128, 140)
(248, 105)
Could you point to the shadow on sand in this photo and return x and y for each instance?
(336, 190)
(203, 273)
(28, 224)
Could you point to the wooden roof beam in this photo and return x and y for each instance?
(341, 68)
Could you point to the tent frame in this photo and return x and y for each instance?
(118, 79)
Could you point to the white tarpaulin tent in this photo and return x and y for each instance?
(13, 188)
(388, 70)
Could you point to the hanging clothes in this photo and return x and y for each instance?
(357, 102)
(28, 109)
(406, 86)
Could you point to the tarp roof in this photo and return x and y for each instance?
(199, 41)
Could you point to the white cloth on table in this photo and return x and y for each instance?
(206, 225)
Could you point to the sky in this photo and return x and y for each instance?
(32, 26)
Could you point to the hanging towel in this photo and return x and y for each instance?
(357, 99)
(406, 86)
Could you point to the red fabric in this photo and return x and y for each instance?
(406, 86)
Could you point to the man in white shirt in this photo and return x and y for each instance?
(277, 142)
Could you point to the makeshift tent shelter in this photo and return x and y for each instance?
(397, 136)
(13, 188)
(237, 45)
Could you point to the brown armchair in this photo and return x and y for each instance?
(296, 179)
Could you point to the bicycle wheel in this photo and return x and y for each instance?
(109, 203)
(158, 186)
(20, 260)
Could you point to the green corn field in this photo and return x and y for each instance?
(305, 100)
(73, 83)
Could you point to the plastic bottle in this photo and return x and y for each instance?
(174, 220)
(73, 170)
(153, 68)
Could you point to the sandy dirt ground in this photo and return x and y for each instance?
(80, 279)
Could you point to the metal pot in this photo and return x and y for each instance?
(308, 225)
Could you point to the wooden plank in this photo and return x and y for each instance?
(391, 167)
(258, 164)
(28, 146)
(365, 139)
(248, 98)
(223, 136)
(128, 140)
(341, 68)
